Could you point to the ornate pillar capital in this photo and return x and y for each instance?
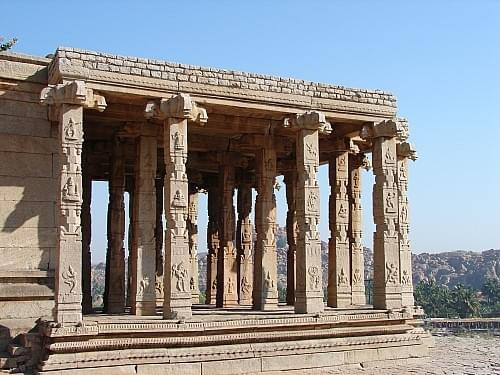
(180, 106)
(310, 120)
(397, 127)
(73, 92)
(406, 150)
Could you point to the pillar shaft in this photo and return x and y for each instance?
(244, 244)
(177, 303)
(265, 291)
(339, 274)
(192, 225)
(227, 293)
(309, 284)
(387, 286)
(114, 297)
(143, 256)
(159, 261)
(68, 294)
(404, 231)
(130, 186)
(86, 239)
(291, 235)
(356, 230)
(213, 245)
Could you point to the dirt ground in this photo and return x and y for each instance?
(457, 355)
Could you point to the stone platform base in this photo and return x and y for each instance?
(230, 342)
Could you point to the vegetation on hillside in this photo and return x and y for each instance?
(460, 301)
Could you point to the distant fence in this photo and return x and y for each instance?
(473, 324)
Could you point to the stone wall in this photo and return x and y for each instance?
(212, 81)
(27, 191)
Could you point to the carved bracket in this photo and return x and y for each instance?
(312, 120)
(179, 106)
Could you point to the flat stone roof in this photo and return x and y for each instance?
(221, 78)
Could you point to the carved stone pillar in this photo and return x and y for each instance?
(227, 272)
(265, 288)
(309, 283)
(356, 164)
(68, 101)
(405, 151)
(192, 225)
(339, 275)
(291, 235)
(159, 292)
(387, 285)
(244, 244)
(86, 237)
(213, 244)
(143, 299)
(175, 112)
(130, 186)
(114, 295)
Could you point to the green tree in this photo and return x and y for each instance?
(491, 290)
(436, 300)
(466, 301)
(6, 45)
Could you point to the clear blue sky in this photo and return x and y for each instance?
(440, 58)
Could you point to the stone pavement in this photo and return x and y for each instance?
(452, 355)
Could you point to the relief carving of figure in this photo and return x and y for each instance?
(355, 179)
(246, 287)
(144, 286)
(389, 157)
(402, 172)
(69, 277)
(342, 211)
(311, 151)
(181, 275)
(70, 190)
(404, 214)
(343, 279)
(178, 141)
(341, 163)
(214, 284)
(356, 277)
(230, 286)
(405, 278)
(314, 279)
(268, 283)
(159, 287)
(392, 273)
(389, 202)
(247, 233)
(179, 200)
(312, 201)
(70, 132)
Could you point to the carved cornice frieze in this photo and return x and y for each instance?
(74, 92)
(311, 120)
(179, 106)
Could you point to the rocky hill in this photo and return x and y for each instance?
(448, 269)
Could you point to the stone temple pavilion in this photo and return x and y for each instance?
(164, 133)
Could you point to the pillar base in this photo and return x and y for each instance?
(309, 305)
(358, 297)
(340, 300)
(387, 301)
(144, 308)
(195, 298)
(180, 313)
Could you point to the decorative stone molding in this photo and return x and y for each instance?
(180, 106)
(386, 128)
(311, 120)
